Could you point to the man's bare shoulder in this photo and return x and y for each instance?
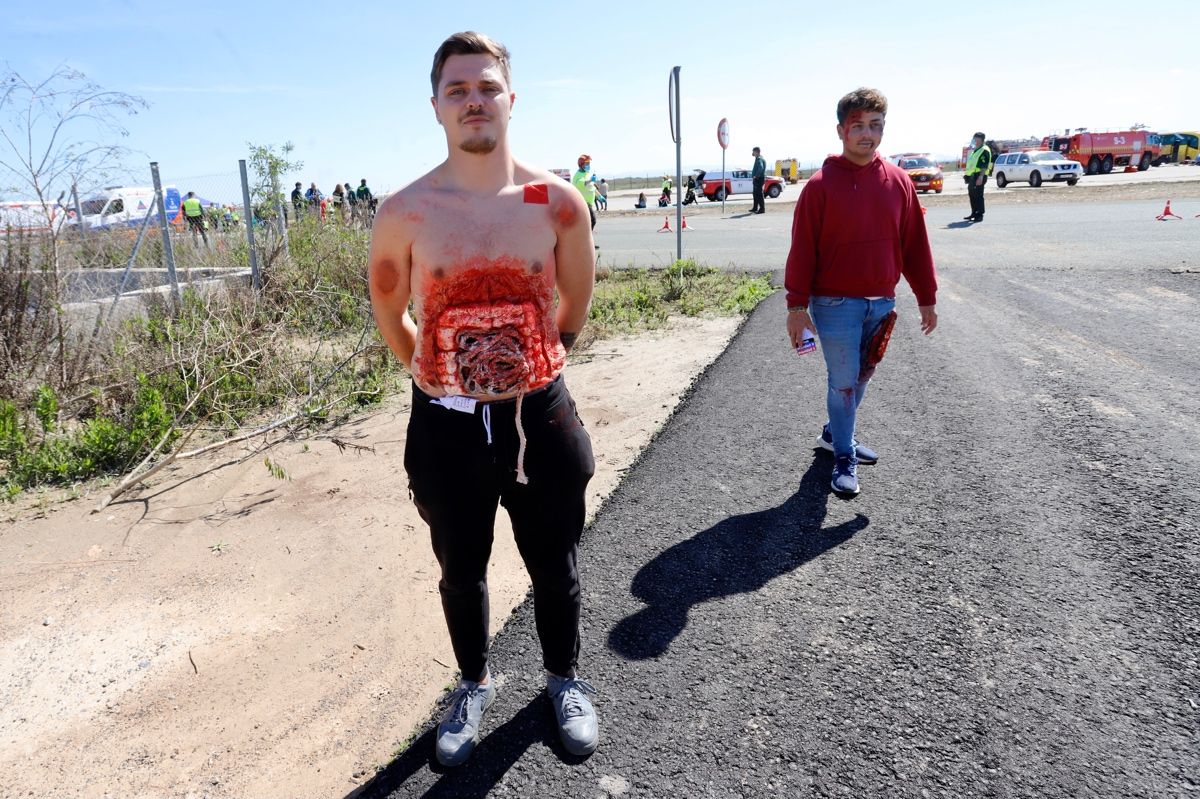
(559, 188)
(403, 208)
(567, 205)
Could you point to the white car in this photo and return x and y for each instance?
(1035, 168)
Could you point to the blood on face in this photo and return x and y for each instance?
(488, 329)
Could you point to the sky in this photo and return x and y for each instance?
(348, 82)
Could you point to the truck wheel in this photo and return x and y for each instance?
(1106, 165)
(1072, 181)
(1001, 181)
(1145, 163)
(1093, 165)
(774, 192)
(720, 194)
(712, 198)
(1035, 178)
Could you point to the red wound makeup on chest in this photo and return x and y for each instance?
(537, 194)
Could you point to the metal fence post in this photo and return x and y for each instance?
(255, 278)
(165, 226)
(280, 214)
(79, 227)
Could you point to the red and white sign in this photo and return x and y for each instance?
(723, 134)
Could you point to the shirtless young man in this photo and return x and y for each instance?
(480, 244)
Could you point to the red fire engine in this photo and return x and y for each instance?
(1100, 152)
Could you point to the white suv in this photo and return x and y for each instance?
(1034, 168)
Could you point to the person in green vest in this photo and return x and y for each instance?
(366, 200)
(193, 212)
(979, 166)
(585, 181)
(666, 191)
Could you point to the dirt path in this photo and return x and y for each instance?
(231, 634)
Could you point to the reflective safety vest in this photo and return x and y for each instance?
(587, 188)
(975, 157)
(192, 208)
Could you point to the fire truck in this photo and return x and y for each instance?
(1100, 152)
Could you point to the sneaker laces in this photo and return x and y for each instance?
(460, 700)
(572, 692)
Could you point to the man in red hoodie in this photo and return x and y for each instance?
(858, 227)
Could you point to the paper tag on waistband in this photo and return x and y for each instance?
(461, 404)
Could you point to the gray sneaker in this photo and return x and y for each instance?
(458, 731)
(575, 714)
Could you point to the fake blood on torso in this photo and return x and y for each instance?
(487, 328)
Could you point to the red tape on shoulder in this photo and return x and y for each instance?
(537, 193)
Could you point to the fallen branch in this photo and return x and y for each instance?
(133, 478)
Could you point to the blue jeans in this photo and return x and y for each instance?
(844, 326)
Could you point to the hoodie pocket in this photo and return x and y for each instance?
(870, 264)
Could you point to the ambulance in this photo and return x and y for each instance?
(125, 206)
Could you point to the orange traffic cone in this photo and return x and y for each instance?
(666, 228)
(1167, 214)
(685, 224)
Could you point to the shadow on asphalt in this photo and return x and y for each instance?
(738, 555)
(957, 225)
(497, 751)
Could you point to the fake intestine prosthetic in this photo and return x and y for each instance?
(488, 329)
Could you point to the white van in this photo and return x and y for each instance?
(123, 206)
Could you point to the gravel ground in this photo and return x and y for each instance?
(1009, 609)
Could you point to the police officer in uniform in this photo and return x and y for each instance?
(759, 177)
(979, 164)
(193, 212)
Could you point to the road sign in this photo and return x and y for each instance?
(723, 134)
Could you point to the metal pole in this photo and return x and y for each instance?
(137, 245)
(722, 182)
(255, 279)
(165, 227)
(78, 211)
(678, 173)
(280, 214)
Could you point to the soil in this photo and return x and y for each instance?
(229, 633)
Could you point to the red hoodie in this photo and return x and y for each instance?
(857, 229)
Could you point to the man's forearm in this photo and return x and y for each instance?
(570, 320)
(401, 337)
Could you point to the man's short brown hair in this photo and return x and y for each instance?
(469, 43)
(861, 99)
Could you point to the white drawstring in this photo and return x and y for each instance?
(521, 477)
(487, 421)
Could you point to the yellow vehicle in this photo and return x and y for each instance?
(788, 169)
(1180, 148)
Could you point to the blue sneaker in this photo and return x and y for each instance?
(865, 455)
(845, 476)
(576, 717)
(458, 731)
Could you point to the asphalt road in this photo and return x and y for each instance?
(1011, 608)
(1073, 234)
(954, 185)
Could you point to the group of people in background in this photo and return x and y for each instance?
(344, 203)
